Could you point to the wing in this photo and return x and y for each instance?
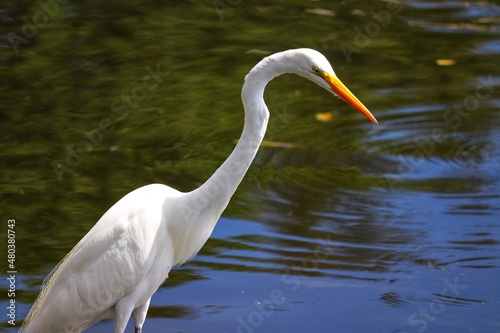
(110, 261)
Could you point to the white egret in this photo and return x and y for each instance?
(116, 268)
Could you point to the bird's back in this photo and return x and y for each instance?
(109, 263)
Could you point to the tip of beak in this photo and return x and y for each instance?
(369, 115)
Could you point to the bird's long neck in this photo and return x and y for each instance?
(215, 194)
(199, 210)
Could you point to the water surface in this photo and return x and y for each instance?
(339, 226)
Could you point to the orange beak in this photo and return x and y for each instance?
(341, 90)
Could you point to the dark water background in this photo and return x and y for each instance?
(339, 226)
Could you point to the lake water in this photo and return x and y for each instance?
(339, 226)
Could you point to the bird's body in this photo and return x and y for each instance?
(116, 268)
(119, 263)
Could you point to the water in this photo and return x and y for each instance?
(339, 226)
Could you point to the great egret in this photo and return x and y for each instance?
(115, 269)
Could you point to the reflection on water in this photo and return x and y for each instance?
(336, 220)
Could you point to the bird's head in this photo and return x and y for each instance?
(314, 66)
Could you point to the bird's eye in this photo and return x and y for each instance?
(316, 70)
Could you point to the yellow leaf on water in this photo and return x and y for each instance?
(445, 62)
(324, 116)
